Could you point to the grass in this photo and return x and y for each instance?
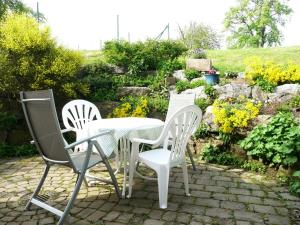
(232, 59)
(91, 56)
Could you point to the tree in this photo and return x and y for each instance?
(199, 36)
(16, 6)
(31, 60)
(255, 23)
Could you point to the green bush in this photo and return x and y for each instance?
(202, 131)
(203, 103)
(31, 60)
(17, 151)
(158, 103)
(183, 85)
(142, 56)
(277, 143)
(294, 185)
(190, 74)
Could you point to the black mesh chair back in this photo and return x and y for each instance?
(40, 113)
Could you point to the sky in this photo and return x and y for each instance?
(85, 24)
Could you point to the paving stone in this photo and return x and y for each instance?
(232, 205)
(141, 210)
(248, 216)
(169, 216)
(239, 222)
(153, 222)
(125, 217)
(278, 220)
(48, 220)
(262, 209)
(258, 193)
(183, 218)
(288, 196)
(229, 197)
(202, 194)
(249, 199)
(96, 216)
(217, 212)
(207, 202)
(282, 211)
(268, 201)
(111, 216)
(215, 189)
(193, 209)
(155, 214)
(226, 184)
(239, 191)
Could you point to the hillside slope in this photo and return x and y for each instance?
(232, 59)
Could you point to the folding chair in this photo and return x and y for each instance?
(42, 121)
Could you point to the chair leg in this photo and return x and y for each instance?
(191, 157)
(38, 188)
(185, 178)
(80, 179)
(163, 185)
(112, 175)
(132, 164)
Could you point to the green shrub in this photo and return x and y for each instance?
(277, 143)
(202, 131)
(265, 85)
(294, 185)
(210, 91)
(17, 151)
(231, 75)
(182, 85)
(158, 103)
(203, 103)
(141, 56)
(190, 74)
(31, 60)
(197, 83)
(169, 66)
(254, 166)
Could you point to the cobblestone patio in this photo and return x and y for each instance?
(218, 196)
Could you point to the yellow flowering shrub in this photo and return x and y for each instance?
(274, 73)
(131, 108)
(233, 114)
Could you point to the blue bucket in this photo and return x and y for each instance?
(212, 79)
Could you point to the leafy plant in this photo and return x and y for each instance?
(17, 151)
(210, 91)
(277, 143)
(265, 85)
(182, 85)
(190, 74)
(232, 115)
(203, 103)
(254, 166)
(31, 60)
(295, 183)
(158, 103)
(131, 107)
(231, 75)
(202, 131)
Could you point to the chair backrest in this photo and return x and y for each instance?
(178, 130)
(77, 113)
(40, 114)
(178, 101)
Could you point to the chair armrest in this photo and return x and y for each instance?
(87, 139)
(66, 130)
(144, 141)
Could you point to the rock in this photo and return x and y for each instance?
(134, 91)
(262, 119)
(233, 90)
(258, 94)
(208, 118)
(199, 64)
(179, 75)
(170, 81)
(292, 89)
(106, 107)
(198, 91)
(197, 79)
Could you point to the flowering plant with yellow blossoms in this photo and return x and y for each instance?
(131, 107)
(274, 73)
(232, 115)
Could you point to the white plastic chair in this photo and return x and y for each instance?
(76, 114)
(178, 101)
(175, 134)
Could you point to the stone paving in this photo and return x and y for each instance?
(219, 195)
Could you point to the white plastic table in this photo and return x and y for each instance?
(124, 128)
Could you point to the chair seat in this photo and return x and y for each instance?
(158, 156)
(78, 159)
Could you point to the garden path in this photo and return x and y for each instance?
(219, 195)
